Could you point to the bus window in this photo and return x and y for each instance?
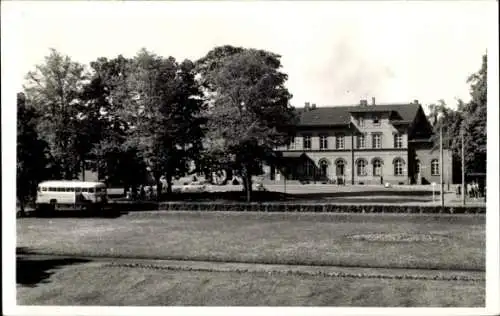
(91, 190)
(78, 189)
(60, 189)
(52, 189)
(44, 189)
(85, 190)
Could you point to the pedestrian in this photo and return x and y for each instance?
(469, 190)
(459, 190)
(142, 193)
(476, 190)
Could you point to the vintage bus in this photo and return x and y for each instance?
(54, 195)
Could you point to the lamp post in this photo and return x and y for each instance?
(463, 167)
(441, 163)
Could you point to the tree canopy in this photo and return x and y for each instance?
(249, 113)
(469, 119)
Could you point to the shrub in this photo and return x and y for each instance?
(297, 207)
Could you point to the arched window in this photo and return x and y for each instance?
(377, 167)
(398, 167)
(340, 166)
(323, 166)
(435, 167)
(309, 168)
(361, 167)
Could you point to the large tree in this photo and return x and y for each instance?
(164, 114)
(469, 119)
(31, 153)
(451, 121)
(474, 124)
(54, 89)
(104, 97)
(249, 113)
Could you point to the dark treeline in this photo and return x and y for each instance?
(151, 116)
(469, 119)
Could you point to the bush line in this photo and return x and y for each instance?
(298, 207)
(301, 273)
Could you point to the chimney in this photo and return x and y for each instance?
(373, 100)
(313, 106)
(363, 102)
(306, 106)
(415, 101)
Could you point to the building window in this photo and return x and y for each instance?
(323, 142)
(309, 168)
(377, 167)
(291, 144)
(377, 141)
(361, 167)
(307, 141)
(339, 142)
(361, 122)
(417, 167)
(398, 167)
(361, 141)
(340, 167)
(435, 167)
(376, 120)
(323, 166)
(398, 141)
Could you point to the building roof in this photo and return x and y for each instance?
(341, 115)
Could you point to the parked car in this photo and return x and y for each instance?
(193, 187)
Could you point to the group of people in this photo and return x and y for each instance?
(472, 190)
(144, 193)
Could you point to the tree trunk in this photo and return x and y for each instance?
(158, 189)
(21, 206)
(169, 184)
(247, 183)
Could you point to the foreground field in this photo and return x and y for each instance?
(388, 241)
(98, 284)
(225, 259)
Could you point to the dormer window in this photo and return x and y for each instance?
(361, 122)
(376, 120)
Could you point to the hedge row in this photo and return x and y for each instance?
(300, 207)
(302, 273)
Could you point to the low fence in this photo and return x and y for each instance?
(295, 207)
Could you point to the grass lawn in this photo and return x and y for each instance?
(96, 284)
(362, 240)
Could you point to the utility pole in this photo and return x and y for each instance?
(352, 153)
(463, 168)
(441, 163)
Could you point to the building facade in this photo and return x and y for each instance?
(362, 144)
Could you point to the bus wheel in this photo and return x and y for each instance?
(42, 210)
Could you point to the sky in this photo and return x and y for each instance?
(334, 52)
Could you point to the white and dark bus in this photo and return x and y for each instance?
(54, 195)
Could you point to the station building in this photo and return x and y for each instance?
(362, 144)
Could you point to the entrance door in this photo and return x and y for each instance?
(340, 171)
(417, 172)
(323, 165)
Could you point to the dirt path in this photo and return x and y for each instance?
(77, 281)
(209, 266)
